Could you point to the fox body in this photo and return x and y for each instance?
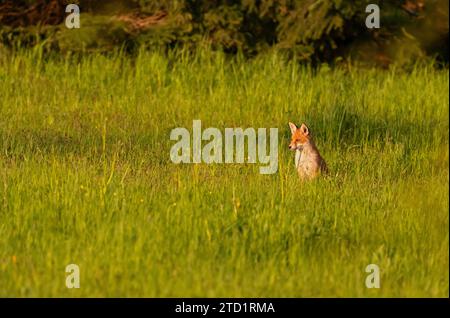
(308, 161)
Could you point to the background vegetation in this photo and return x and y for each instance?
(308, 30)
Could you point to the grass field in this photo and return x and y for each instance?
(86, 178)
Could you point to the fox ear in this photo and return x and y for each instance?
(304, 129)
(293, 127)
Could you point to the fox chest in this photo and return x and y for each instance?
(307, 166)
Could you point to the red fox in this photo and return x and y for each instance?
(308, 161)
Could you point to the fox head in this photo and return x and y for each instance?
(300, 136)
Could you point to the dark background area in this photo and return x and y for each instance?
(313, 31)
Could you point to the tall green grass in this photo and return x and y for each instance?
(86, 178)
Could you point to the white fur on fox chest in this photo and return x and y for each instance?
(298, 154)
(306, 164)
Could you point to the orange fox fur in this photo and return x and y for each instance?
(308, 161)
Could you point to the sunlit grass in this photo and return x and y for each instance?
(86, 178)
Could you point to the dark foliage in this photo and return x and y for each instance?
(308, 30)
